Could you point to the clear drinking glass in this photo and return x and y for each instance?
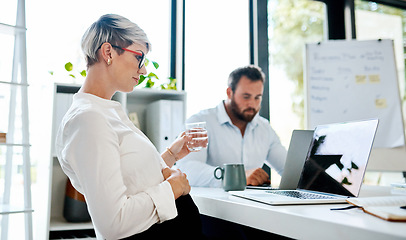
(199, 136)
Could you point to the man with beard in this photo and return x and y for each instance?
(237, 134)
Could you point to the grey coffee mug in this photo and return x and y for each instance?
(233, 176)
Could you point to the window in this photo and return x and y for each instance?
(6, 65)
(292, 24)
(213, 48)
(8, 12)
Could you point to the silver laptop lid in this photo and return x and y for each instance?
(338, 157)
(295, 159)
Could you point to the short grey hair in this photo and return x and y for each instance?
(116, 30)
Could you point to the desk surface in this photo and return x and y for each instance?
(300, 221)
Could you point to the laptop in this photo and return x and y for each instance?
(295, 158)
(334, 168)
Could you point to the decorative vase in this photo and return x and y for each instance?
(75, 207)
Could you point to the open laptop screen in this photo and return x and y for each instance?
(337, 157)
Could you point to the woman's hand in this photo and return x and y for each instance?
(179, 146)
(177, 179)
(179, 149)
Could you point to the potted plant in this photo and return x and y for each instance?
(146, 81)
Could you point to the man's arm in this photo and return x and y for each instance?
(277, 153)
(199, 173)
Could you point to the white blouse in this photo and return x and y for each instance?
(115, 166)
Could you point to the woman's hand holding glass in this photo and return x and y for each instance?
(192, 140)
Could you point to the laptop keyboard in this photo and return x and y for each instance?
(301, 195)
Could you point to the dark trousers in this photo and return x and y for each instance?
(187, 225)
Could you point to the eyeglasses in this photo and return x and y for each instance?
(140, 55)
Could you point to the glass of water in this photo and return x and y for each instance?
(199, 136)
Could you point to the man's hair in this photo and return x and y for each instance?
(253, 73)
(114, 29)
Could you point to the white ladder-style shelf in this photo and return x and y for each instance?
(18, 80)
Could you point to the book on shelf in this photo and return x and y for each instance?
(388, 207)
(3, 137)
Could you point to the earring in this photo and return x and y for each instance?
(108, 61)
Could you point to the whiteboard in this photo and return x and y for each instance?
(349, 80)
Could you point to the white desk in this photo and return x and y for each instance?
(300, 221)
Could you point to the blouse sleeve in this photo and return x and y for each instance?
(90, 157)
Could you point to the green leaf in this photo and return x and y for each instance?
(172, 80)
(146, 62)
(156, 65)
(142, 78)
(68, 66)
(72, 75)
(171, 85)
(149, 84)
(152, 75)
(83, 73)
(51, 72)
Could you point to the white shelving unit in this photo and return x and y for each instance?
(16, 139)
(135, 101)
